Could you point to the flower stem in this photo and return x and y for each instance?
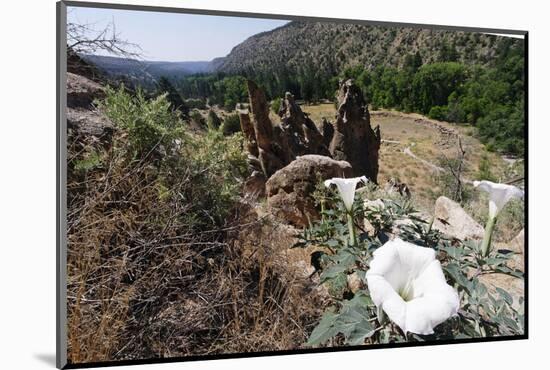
(486, 243)
(351, 228)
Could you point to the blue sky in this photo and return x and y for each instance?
(175, 37)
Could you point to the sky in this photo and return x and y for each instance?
(175, 37)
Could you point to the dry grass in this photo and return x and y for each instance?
(144, 282)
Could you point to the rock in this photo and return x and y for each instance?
(327, 130)
(89, 123)
(513, 285)
(263, 130)
(451, 219)
(85, 123)
(289, 190)
(267, 239)
(254, 186)
(393, 186)
(81, 91)
(278, 145)
(302, 134)
(354, 140)
(248, 132)
(517, 246)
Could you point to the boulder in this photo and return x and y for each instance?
(289, 190)
(451, 219)
(90, 123)
(81, 91)
(353, 139)
(85, 123)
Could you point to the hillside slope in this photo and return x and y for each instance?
(334, 46)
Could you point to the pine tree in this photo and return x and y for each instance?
(164, 86)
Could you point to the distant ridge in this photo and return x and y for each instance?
(146, 70)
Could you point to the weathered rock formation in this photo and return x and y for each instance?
(275, 146)
(291, 156)
(354, 139)
(289, 189)
(300, 133)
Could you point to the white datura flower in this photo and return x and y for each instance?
(346, 187)
(407, 283)
(499, 195)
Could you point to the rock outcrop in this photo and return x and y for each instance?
(83, 119)
(287, 156)
(451, 219)
(354, 140)
(275, 146)
(299, 132)
(289, 190)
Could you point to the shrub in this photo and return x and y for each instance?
(197, 117)
(150, 124)
(438, 112)
(213, 121)
(231, 124)
(149, 237)
(276, 105)
(484, 169)
(195, 103)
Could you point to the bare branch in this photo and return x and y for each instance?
(86, 39)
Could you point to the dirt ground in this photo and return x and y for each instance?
(429, 141)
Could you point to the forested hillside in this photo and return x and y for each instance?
(453, 76)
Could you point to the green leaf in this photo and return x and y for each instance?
(361, 331)
(332, 243)
(508, 271)
(344, 258)
(505, 295)
(361, 299)
(458, 276)
(454, 252)
(324, 330)
(332, 272)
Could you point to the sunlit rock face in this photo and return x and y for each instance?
(289, 190)
(354, 140)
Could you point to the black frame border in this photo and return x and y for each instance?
(61, 193)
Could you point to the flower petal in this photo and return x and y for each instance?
(384, 296)
(346, 187)
(499, 194)
(328, 183)
(434, 301)
(400, 269)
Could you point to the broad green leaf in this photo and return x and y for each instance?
(324, 330)
(458, 277)
(332, 272)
